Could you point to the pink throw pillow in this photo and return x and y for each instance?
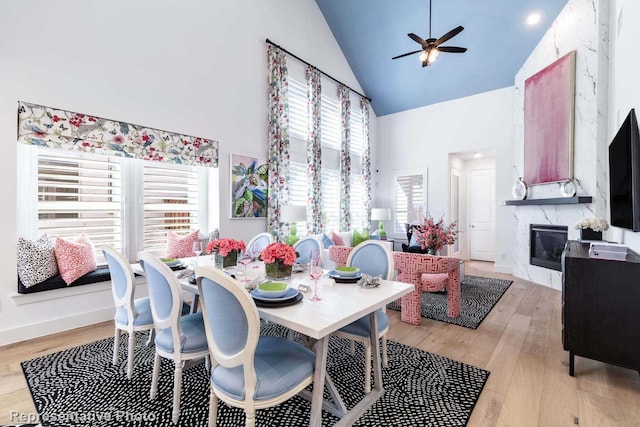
(339, 241)
(75, 258)
(181, 247)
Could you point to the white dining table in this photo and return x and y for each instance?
(341, 304)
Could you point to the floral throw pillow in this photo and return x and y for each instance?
(181, 247)
(36, 260)
(75, 258)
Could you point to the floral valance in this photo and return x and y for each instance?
(54, 128)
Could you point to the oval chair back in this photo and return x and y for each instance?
(171, 342)
(130, 315)
(373, 258)
(164, 292)
(258, 243)
(272, 369)
(304, 247)
(122, 281)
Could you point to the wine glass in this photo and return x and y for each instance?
(315, 272)
(197, 249)
(245, 259)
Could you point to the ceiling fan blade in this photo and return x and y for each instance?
(452, 49)
(451, 34)
(417, 39)
(406, 54)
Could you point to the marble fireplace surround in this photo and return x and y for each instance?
(583, 26)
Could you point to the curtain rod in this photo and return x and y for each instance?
(311, 65)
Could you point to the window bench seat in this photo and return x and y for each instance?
(56, 282)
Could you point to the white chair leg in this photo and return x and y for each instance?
(177, 387)
(116, 345)
(367, 367)
(385, 358)
(156, 373)
(132, 350)
(352, 347)
(152, 333)
(213, 408)
(251, 417)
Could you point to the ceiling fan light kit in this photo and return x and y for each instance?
(430, 48)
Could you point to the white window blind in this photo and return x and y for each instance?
(410, 200)
(170, 202)
(79, 192)
(127, 203)
(330, 122)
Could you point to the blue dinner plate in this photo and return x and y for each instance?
(336, 275)
(291, 293)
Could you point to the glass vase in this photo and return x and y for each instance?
(277, 270)
(231, 260)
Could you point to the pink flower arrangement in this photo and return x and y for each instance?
(224, 246)
(278, 251)
(435, 235)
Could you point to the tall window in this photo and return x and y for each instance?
(127, 203)
(330, 146)
(410, 200)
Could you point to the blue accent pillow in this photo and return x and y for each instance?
(326, 241)
(414, 241)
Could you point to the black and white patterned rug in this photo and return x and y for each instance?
(80, 387)
(479, 295)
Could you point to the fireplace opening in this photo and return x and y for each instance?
(547, 243)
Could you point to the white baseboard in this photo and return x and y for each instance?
(35, 330)
(503, 268)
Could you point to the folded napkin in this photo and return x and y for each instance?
(368, 281)
(184, 273)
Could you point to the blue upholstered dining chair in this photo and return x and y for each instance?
(248, 370)
(374, 258)
(179, 338)
(304, 247)
(131, 314)
(258, 243)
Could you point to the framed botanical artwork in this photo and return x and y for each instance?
(549, 100)
(249, 189)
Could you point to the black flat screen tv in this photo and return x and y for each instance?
(624, 175)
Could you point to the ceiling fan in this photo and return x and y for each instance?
(430, 47)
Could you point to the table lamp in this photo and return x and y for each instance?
(292, 214)
(381, 214)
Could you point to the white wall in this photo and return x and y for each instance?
(424, 137)
(583, 25)
(194, 66)
(624, 81)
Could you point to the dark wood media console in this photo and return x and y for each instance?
(600, 307)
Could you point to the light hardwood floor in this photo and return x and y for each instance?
(519, 343)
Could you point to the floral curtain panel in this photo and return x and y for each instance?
(345, 160)
(314, 153)
(279, 156)
(366, 159)
(55, 128)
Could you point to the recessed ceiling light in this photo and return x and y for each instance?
(533, 19)
(477, 155)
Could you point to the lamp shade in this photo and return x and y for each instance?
(292, 213)
(380, 214)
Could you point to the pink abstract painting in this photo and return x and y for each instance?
(549, 97)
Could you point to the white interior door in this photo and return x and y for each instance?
(481, 184)
(455, 208)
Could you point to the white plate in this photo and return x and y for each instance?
(291, 293)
